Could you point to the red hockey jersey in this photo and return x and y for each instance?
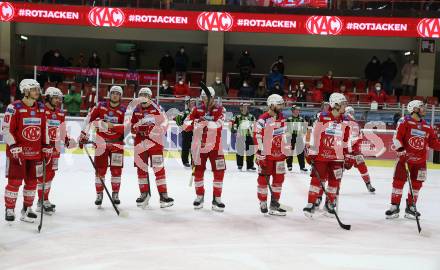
(25, 126)
(415, 138)
(149, 124)
(56, 128)
(270, 136)
(212, 123)
(111, 115)
(329, 138)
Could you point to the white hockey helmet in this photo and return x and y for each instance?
(211, 91)
(336, 98)
(414, 104)
(275, 99)
(53, 92)
(145, 91)
(349, 111)
(115, 88)
(27, 84)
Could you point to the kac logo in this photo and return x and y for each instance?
(6, 12)
(31, 133)
(429, 27)
(417, 143)
(110, 17)
(215, 21)
(324, 25)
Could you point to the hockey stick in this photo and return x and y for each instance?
(102, 181)
(342, 225)
(282, 206)
(42, 196)
(412, 196)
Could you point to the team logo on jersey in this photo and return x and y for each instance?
(54, 116)
(33, 113)
(324, 25)
(417, 132)
(31, 121)
(328, 141)
(429, 27)
(109, 17)
(53, 133)
(215, 21)
(31, 133)
(417, 143)
(6, 12)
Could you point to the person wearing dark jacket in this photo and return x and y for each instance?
(165, 89)
(373, 70)
(187, 135)
(279, 64)
(182, 61)
(242, 126)
(297, 128)
(166, 64)
(277, 89)
(301, 92)
(94, 61)
(246, 91)
(389, 72)
(245, 65)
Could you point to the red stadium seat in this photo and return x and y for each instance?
(364, 98)
(391, 100)
(49, 84)
(419, 98)
(348, 84)
(309, 83)
(233, 92)
(129, 91)
(361, 86)
(352, 98)
(432, 101)
(195, 92)
(404, 99)
(106, 80)
(63, 87)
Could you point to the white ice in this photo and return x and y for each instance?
(79, 236)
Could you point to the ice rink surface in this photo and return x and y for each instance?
(79, 236)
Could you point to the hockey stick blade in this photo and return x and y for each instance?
(342, 225)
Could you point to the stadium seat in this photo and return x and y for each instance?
(391, 100)
(63, 87)
(119, 81)
(233, 93)
(106, 80)
(129, 90)
(352, 98)
(49, 84)
(348, 84)
(404, 99)
(195, 92)
(419, 98)
(361, 86)
(432, 101)
(364, 98)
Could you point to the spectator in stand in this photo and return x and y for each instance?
(165, 89)
(94, 61)
(181, 89)
(219, 87)
(388, 72)
(182, 62)
(409, 76)
(277, 89)
(246, 91)
(166, 64)
(5, 94)
(91, 98)
(57, 60)
(377, 94)
(81, 61)
(373, 70)
(133, 62)
(73, 101)
(327, 84)
(290, 96)
(261, 91)
(245, 65)
(317, 93)
(301, 92)
(275, 77)
(279, 64)
(342, 89)
(47, 56)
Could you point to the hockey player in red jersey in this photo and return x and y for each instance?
(411, 140)
(108, 117)
(207, 120)
(27, 144)
(149, 124)
(56, 129)
(328, 146)
(355, 157)
(270, 137)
